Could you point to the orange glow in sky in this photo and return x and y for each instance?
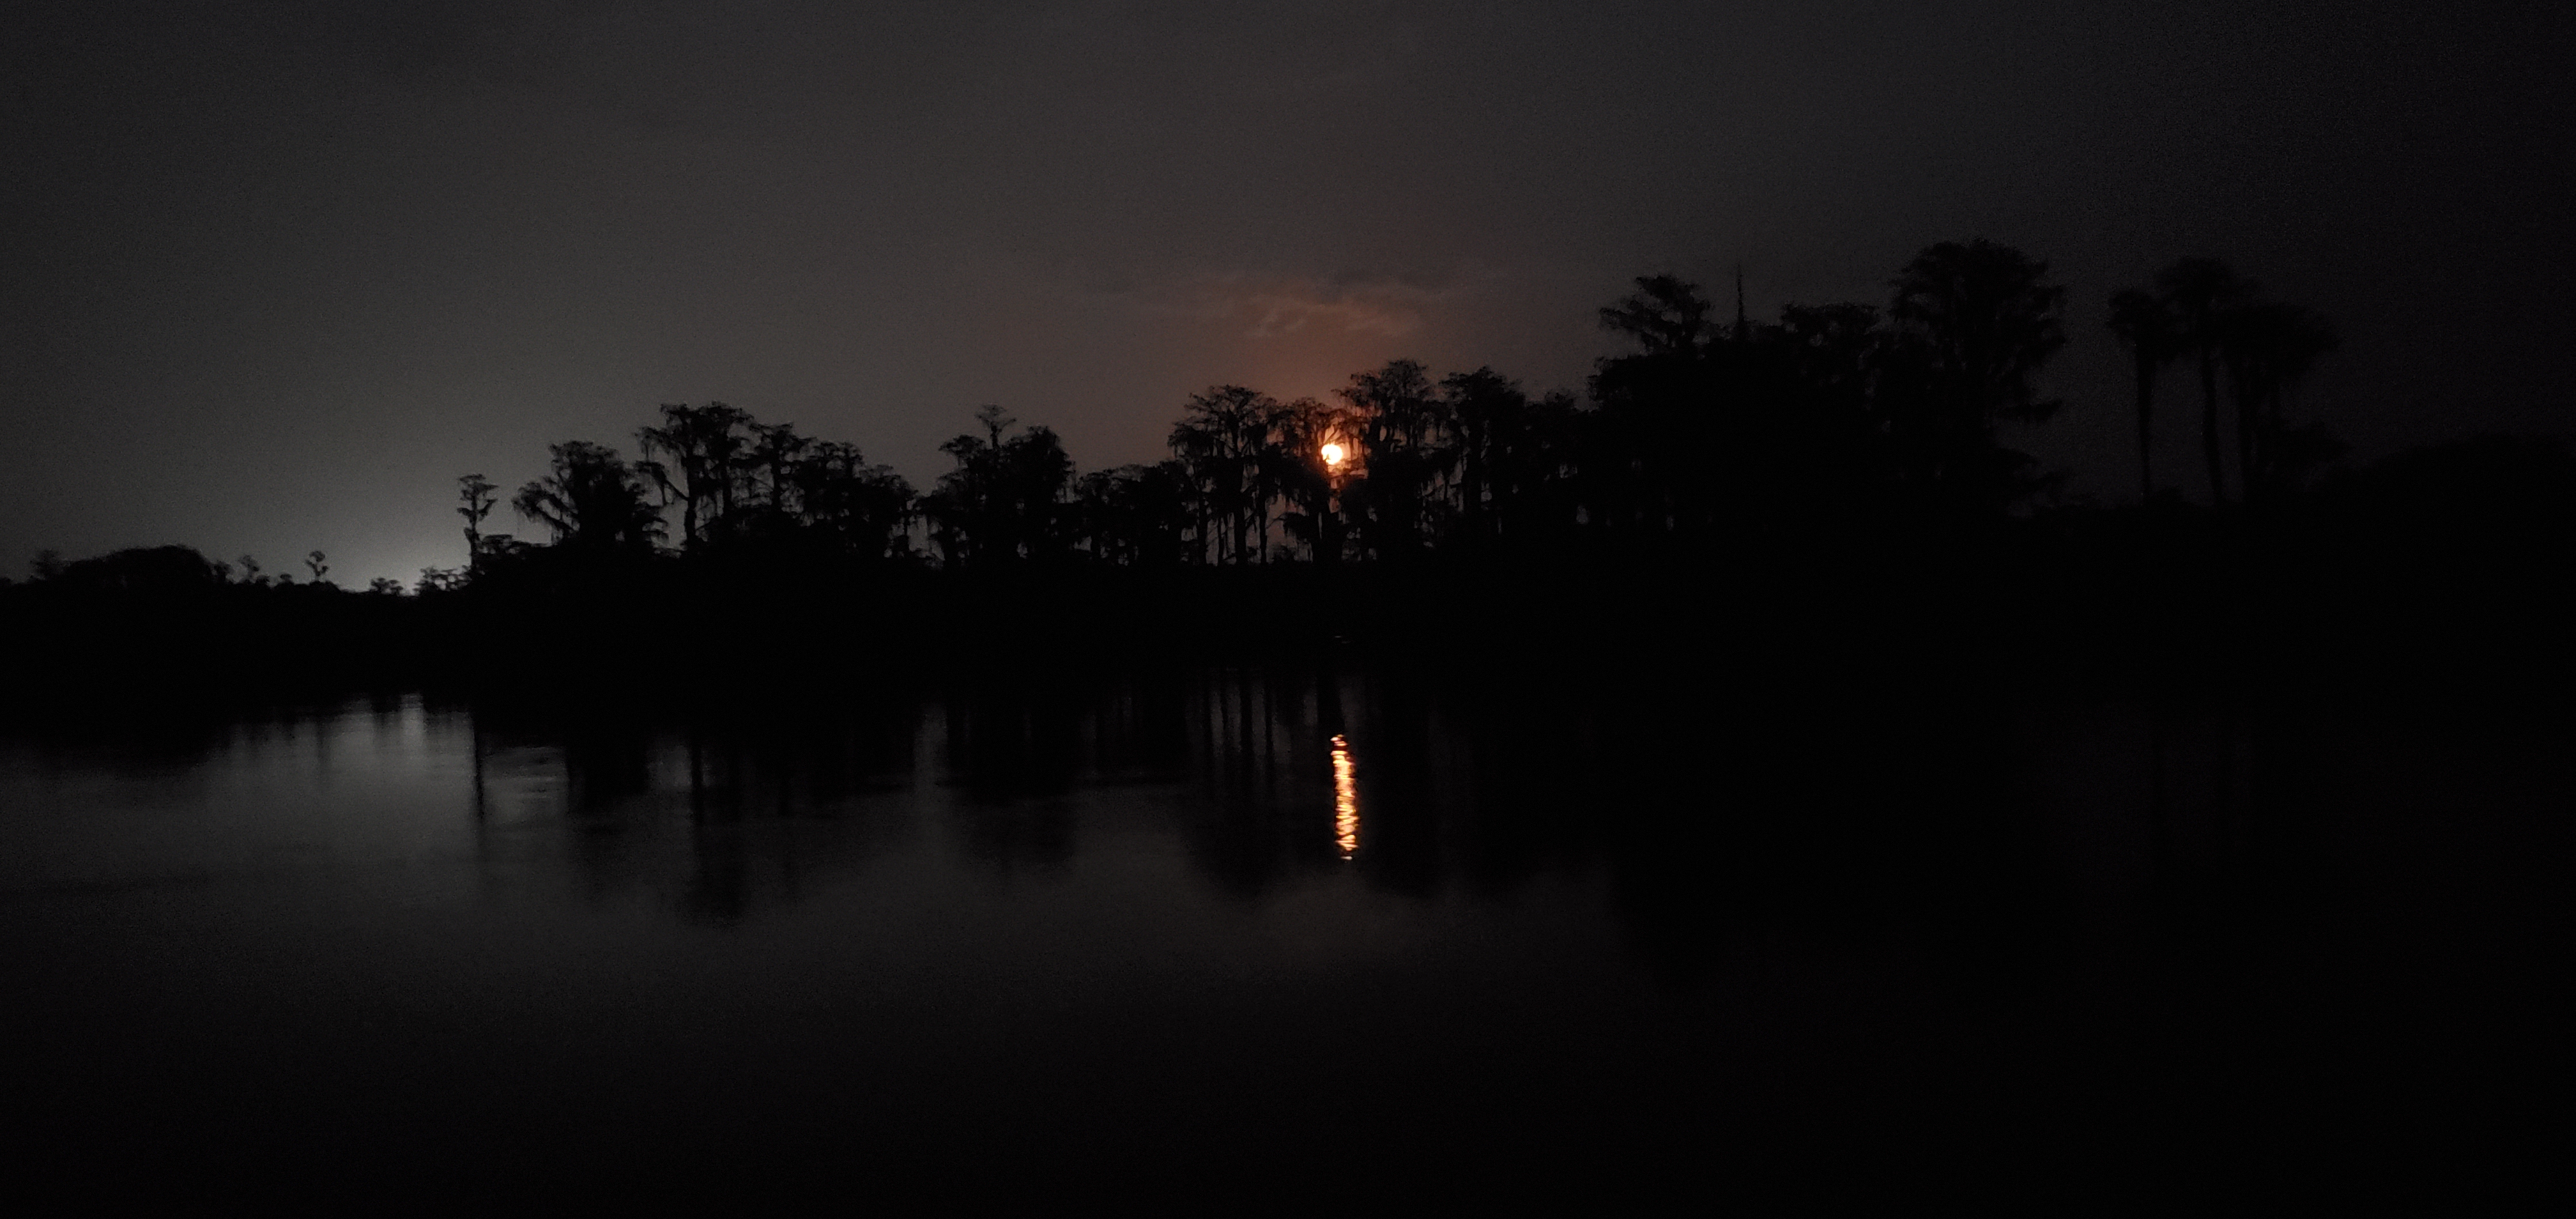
(1332, 457)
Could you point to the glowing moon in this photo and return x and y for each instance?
(1332, 455)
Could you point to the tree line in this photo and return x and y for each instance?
(737, 483)
(1849, 470)
(1849, 414)
(1890, 416)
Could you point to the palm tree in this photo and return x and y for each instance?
(2146, 327)
(2197, 292)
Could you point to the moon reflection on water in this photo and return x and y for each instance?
(1346, 800)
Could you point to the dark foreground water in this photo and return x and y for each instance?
(1292, 938)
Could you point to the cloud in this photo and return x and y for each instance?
(1270, 305)
(1357, 304)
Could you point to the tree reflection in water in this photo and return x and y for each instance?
(1091, 927)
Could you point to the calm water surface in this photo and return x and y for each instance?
(1282, 932)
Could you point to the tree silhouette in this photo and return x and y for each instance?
(1405, 443)
(475, 495)
(706, 444)
(1665, 315)
(772, 459)
(1534, 467)
(860, 510)
(1977, 321)
(1136, 515)
(2198, 292)
(1489, 411)
(1223, 442)
(1299, 432)
(1005, 501)
(1835, 413)
(1989, 322)
(1655, 455)
(2267, 348)
(2145, 325)
(592, 501)
(995, 421)
(1821, 367)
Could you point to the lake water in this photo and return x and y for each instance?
(1302, 935)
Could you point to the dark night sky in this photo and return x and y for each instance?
(272, 275)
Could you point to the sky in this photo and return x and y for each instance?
(273, 274)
